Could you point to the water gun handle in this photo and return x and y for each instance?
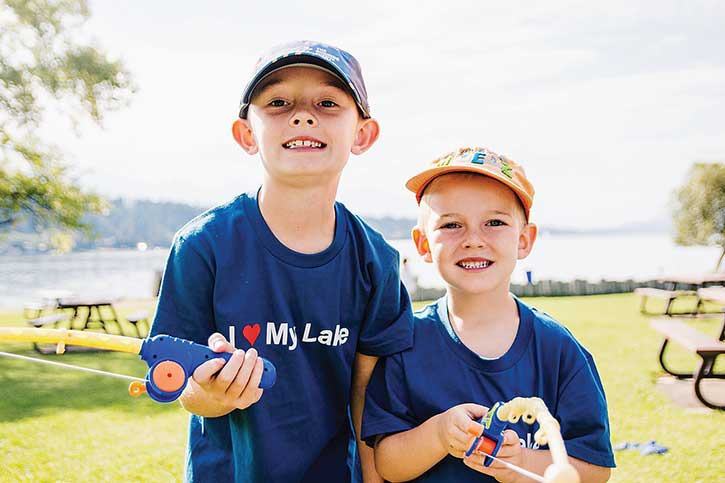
(492, 436)
(172, 361)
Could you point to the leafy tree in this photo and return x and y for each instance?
(699, 214)
(46, 60)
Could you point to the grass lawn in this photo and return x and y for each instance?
(63, 425)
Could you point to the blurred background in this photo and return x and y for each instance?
(607, 106)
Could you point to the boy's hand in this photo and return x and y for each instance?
(236, 385)
(510, 451)
(457, 428)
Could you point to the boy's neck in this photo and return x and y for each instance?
(302, 218)
(486, 323)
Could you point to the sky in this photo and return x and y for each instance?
(606, 104)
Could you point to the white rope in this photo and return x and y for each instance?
(515, 468)
(69, 366)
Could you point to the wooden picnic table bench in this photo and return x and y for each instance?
(668, 295)
(51, 319)
(706, 347)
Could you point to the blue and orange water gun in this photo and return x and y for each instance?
(171, 360)
(490, 440)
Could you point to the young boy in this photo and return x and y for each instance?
(478, 344)
(288, 274)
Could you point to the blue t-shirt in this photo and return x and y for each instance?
(307, 314)
(440, 372)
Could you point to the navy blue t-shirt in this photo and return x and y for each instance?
(307, 314)
(440, 372)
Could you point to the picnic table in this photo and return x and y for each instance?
(706, 347)
(105, 313)
(679, 286)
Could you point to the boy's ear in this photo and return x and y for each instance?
(367, 133)
(242, 132)
(421, 244)
(527, 237)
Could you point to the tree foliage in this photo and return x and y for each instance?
(47, 60)
(699, 214)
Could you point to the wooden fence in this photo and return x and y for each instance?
(555, 288)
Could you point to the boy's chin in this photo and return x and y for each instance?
(474, 287)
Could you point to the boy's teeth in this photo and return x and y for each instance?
(474, 264)
(303, 144)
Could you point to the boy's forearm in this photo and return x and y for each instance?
(538, 460)
(363, 369)
(409, 454)
(198, 402)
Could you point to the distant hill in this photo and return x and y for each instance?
(129, 223)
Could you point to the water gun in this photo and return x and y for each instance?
(171, 360)
(490, 440)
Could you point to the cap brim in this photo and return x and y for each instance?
(299, 59)
(419, 182)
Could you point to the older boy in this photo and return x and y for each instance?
(287, 273)
(479, 344)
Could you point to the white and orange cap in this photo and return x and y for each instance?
(480, 161)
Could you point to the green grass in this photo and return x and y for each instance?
(62, 425)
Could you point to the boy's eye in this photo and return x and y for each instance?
(495, 223)
(450, 225)
(278, 103)
(328, 104)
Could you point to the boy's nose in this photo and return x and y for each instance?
(303, 118)
(474, 240)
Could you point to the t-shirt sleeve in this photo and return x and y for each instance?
(387, 401)
(388, 324)
(582, 412)
(185, 306)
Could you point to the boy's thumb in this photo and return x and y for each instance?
(218, 343)
(476, 411)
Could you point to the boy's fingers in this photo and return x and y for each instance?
(205, 372)
(218, 343)
(238, 385)
(475, 461)
(460, 440)
(463, 422)
(510, 438)
(227, 375)
(476, 411)
(253, 392)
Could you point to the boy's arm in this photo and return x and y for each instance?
(362, 370)
(408, 454)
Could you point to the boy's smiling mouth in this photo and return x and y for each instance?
(305, 143)
(474, 263)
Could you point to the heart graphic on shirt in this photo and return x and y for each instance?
(251, 332)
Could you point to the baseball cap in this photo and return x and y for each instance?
(339, 63)
(481, 161)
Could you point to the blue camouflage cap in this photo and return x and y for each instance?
(338, 62)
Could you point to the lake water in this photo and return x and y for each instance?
(131, 273)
